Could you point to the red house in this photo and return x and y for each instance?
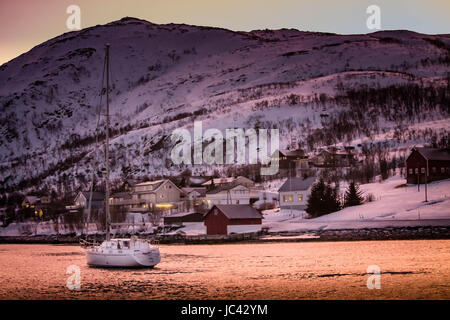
(433, 162)
(232, 218)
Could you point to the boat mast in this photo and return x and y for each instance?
(108, 218)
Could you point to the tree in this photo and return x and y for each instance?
(353, 196)
(322, 200)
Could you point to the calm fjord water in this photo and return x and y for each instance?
(314, 270)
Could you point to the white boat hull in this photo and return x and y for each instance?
(126, 260)
(140, 255)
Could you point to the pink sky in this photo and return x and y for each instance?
(25, 23)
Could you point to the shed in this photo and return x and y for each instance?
(433, 162)
(232, 218)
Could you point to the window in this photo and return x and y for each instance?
(288, 198)
(442, 170)
(410, 171)
(433, 169)
(300, 198)
(422, 170)
(417, 170)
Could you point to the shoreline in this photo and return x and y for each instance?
(364, 234)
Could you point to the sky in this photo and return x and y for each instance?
(27, 23)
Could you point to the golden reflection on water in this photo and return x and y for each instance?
(418, 269)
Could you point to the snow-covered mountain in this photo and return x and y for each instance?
(317, 88)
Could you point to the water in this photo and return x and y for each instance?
(314, 270)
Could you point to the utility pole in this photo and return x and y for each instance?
(426, 180)
(108, 218)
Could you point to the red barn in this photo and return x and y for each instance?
(232, 218)
(432, 161)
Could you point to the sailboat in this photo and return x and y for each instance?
(133, 252)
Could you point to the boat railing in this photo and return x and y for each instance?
(153, 242)
(86, 243)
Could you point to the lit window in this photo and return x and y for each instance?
(300, 197)
(288, 198)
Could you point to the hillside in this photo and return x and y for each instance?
(395, 205)
(317, 88)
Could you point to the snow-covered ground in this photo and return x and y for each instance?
(190, 229)
(396, 204)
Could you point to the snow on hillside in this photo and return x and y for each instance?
(164, 77)
(396, 204)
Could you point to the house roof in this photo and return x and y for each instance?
(238, 211)
(182, 214)
(96, 196)
(200, 190)
(225, 188)
(297, 184)
(155, 183)
(32, 199)
(292, 153)
(434, 153)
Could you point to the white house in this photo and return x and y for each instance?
(233, 194)
(294, 193)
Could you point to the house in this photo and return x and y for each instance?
(294, 193)
(81, 201)
(293, 162)
(229, 181)
(194, 197)
(30, 201)
(160, 195)
(287, 158)
(333, 157)
(183, 218)
(427, 164)
(232, 194)
(232, 218)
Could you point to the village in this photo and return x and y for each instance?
(221, 207)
